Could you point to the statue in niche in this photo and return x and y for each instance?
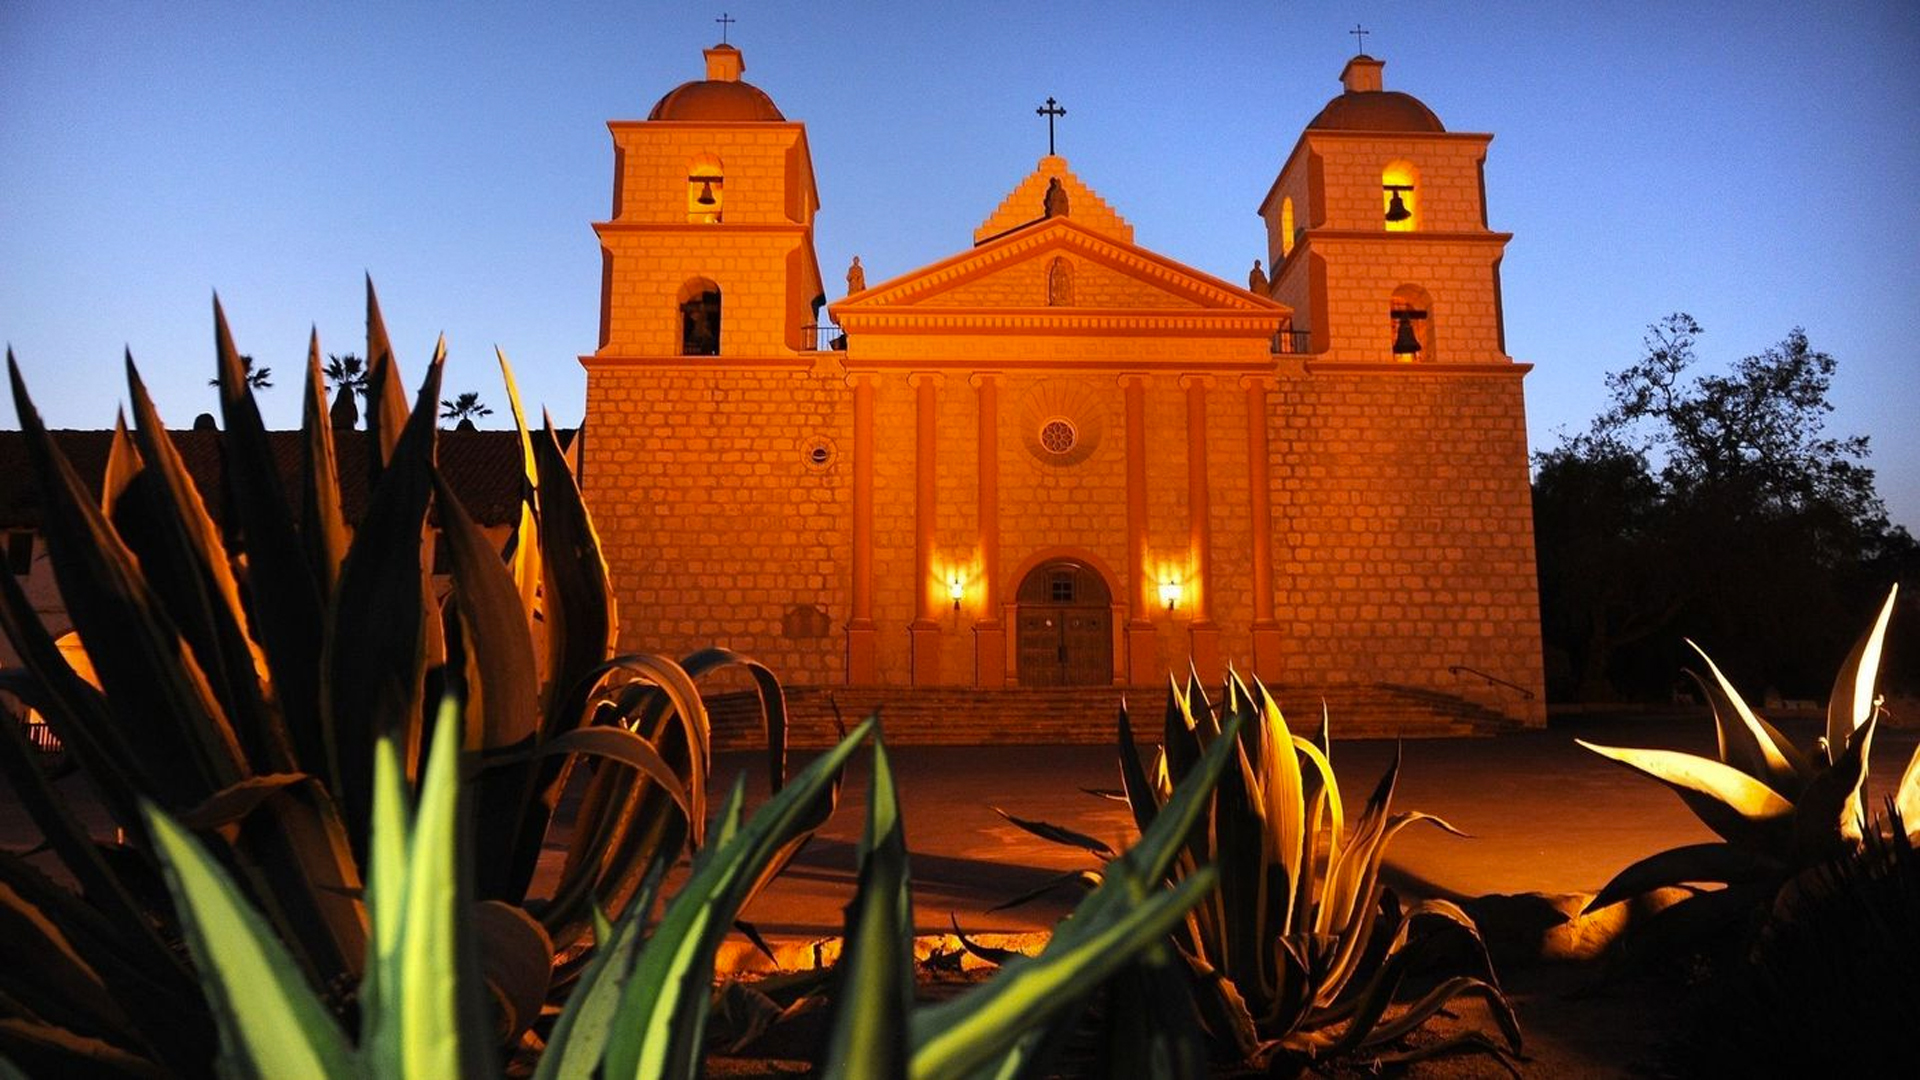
(1059, 283)
(856, 277)
(1257, 279)
(1056, 202)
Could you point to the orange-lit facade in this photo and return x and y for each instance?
(1056, 457)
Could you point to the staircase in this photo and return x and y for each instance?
(961, 716)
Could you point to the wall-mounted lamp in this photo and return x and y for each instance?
(956, 589)
(1169, 593)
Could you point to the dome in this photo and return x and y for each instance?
(1376, 110)
(1369, 106)
(721, 96)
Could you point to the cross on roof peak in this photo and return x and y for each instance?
(725, 21)
(1359, 39)
(1050, 110)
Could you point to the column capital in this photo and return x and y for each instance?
(918, 379)
(1201, 380)
(985, 378)
(1134, 378)
(1259, 382)
(858, 379)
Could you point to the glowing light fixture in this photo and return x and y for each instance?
(956, 589)
(1169, 593)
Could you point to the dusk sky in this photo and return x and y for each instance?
(1756, 164)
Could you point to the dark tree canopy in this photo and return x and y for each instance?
(1713, 506)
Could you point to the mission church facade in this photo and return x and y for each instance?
(1057, 458)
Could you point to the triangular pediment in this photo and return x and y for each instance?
(1027, 203)
(1059, 266)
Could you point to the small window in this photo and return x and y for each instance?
(20, 552)
(1057, 435)
(1060, 586)
(706, 189)
(1286, 227)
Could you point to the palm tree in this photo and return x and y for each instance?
(346, 372)
(348, 376)
(259, 379)
(464, 408)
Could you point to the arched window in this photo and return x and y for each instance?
(1286, 226)
(1400, 196)
(1411, 324)
(700, 318)
(705, 189)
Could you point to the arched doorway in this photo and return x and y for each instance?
(1064, 635)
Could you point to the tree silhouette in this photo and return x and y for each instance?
(258, 378)
(349, 372)
(464, 408)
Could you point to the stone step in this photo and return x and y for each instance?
(957, 716)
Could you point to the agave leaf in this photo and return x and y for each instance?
(51, 1050)
(1906, 800)
(1746, 743)
(66, 991)
(1829, 811)
(1852, 701)
(579, 1036)
(1060, 835)
(377, 641)
(271, 1024)
(323, 524)
(231, 804)
(391, 836)
(581, 620)
(1088, 879)
(55, 819)
(875, 994)
(497, 629)
(386, 400)
(660, 1030)
(955, 1038)
(1719, 862)
(1420, 1011)
(1151, 1027)
(773, 702)
(1726, 800)
(623, 746)
(179, 740)
(421, 1023)
(526, 548)
(987, 953)
(1141, 796)
(1240, 851)
(1285, 792)
(516, 960)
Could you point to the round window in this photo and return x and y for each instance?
(1057, 436)
(817, 453)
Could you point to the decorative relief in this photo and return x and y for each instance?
(1061, 421)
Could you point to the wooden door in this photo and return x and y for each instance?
(1064, 630)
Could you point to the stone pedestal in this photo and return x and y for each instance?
(1143, 668)
(923, 640)
(1266, 652)
(863, 667)
(1203, 647)
(989, 654)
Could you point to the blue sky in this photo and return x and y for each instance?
(1755, 164)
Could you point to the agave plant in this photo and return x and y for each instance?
(1777, 809)
(640, 1007)
(1012, 1024)
(245, 670)
(1285, 958)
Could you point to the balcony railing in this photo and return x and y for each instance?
(823, 337)
(1292, 342)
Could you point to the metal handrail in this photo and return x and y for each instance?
(1292, 342)
(1492, 680)
(824, 337)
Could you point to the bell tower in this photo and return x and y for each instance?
(1377, 232)
(709, 251)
